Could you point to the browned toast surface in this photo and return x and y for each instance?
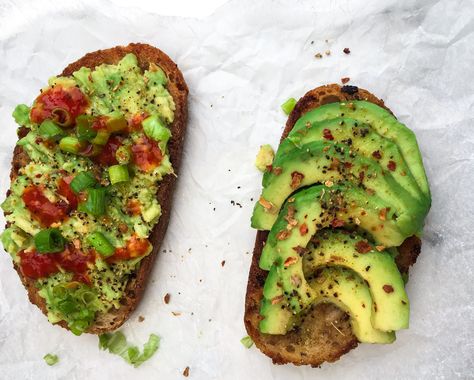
(325, 335)
(178, 89)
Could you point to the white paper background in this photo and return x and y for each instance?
(240, 64)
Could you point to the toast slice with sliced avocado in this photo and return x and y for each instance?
(342, 205)
(92, 182)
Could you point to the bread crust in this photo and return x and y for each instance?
(178, 89)
(326, 334)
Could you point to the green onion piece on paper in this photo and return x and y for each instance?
(288, 106)
(49, 241)
(51, 359)
(118, 173)
(247, 341)
(116, 343)
(101, 244)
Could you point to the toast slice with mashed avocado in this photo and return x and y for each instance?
(92, 183)
(322, 210)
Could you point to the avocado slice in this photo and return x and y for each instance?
(360, 138)
(345, 289)
(321, 162)
(302, 216)
(390, 309)
(317, 207)
(383, 122)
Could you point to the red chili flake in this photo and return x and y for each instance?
(277, 170)
(327, 134)
(363, 247)
(277, 299)
(300, 250)
(290, 261)
(345, 80)
(388, 288)
(296, 179)
(391, 166)
(303, 229)
(337, 223)
(383, 214)
(376, 154)
(361, 176)
(282, 235)
(348, 165)
(346, 51)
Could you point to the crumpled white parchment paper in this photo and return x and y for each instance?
(240, 64)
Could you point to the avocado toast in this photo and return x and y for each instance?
(92, 184)
(338, 221)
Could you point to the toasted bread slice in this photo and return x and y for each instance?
(325, 334)
(178, 89)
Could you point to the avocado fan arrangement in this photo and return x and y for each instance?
(341, 208)
(91, 185)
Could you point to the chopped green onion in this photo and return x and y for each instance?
(95, 203)
(83, 181)
(118, 173)
(21, 114)
(50, 130)
(288, 106)
(123, 154)
(155, 129)
(70, 144)
(116, 122)
(84, 130)
(61, 116)
(247, 341)
(101, 244)
(49, 241)
(101, 138)
(51, 359)
(117, 344)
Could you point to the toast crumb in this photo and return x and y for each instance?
(141, 318)
(166, 298)
(186, 372)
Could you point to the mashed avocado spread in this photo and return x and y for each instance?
(80, 211)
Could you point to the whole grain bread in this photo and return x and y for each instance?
(178, 89)
(325, 335)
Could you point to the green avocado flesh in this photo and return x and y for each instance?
(348, 291)
(382, 121)
(119, 205)
(320, 162)
(346, 187)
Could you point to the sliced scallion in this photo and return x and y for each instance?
(101, 138)
(82, 181)
(288, 106)
(95, 203)
(50, 130)
(49, 241)
(118, 173)
(84, 130)
(70, 144)
(101, 244)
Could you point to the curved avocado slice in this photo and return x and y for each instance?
(391, 310)
(345, 289)
(317, 207)
(360, 138)
(321, 162)
(383, 122)
(309, 211)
